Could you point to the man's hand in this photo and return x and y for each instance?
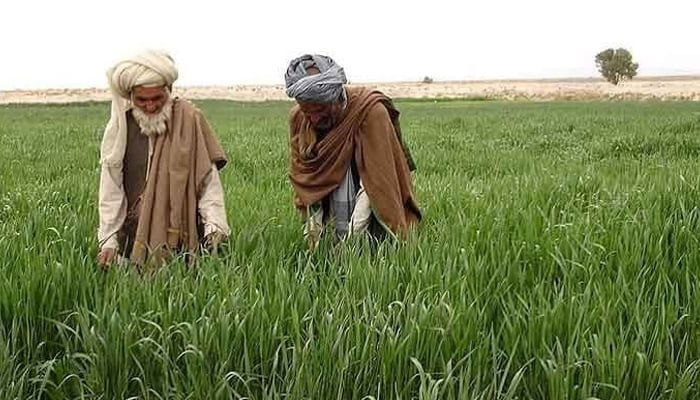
(312, 239)
(213, 240)
(106, 257)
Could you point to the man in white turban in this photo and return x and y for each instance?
(160, 190)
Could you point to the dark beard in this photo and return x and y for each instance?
(321, 133)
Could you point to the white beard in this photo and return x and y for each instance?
(156, 124)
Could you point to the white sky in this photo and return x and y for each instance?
(70, 43)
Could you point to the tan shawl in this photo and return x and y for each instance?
(369, 132)
(181, 160)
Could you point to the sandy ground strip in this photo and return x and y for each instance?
(649, 88)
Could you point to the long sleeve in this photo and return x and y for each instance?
(359, 220)
(211, 204)
(112, 206)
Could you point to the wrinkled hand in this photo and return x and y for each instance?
(312, 241)
(312, 235)
(213, 241)
(106, 257)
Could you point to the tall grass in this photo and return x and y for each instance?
(558, 259)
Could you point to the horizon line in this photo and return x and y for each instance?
(670, 77)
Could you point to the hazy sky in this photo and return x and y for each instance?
(70, 43)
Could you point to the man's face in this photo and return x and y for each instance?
(149, 99)
(322, 116)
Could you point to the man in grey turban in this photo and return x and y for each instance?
(160, 190)
(349, 168)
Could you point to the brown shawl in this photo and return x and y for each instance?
(182, 158)
(369, 133)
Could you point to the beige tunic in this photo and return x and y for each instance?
(114, 202)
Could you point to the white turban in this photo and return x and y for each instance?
(150, 68)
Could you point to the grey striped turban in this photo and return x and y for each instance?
(325, 87)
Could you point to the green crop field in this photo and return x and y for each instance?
(558, 259)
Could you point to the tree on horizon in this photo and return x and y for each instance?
(616, 65)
